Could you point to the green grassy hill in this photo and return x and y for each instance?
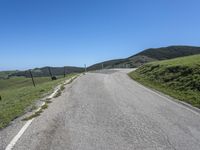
(149, 55)
(179, 78)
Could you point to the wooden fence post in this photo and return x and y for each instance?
(32, 78)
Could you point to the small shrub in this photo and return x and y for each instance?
(58, 94)
(45, 106)
(62, 87)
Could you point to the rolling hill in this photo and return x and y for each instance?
(148, 55)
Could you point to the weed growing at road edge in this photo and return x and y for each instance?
(36, 114)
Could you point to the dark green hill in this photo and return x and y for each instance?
(149, 55)
(169, 52)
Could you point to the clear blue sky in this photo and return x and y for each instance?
(35, 33)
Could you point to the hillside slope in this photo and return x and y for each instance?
(149, 55)
(179, 78)
(169, 52)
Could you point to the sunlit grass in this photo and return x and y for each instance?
(18, 94)
(179, 78)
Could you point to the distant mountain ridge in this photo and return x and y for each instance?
(43, 72)
(149, 55)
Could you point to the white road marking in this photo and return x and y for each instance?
(20, 133)
(28, 123)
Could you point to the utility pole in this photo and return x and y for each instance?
(102, 66)
(32, 78)
(50, 72)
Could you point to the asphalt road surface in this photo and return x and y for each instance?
(107, 110)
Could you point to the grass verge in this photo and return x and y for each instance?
(59, 92)
(18, 94)
(178, 78)
(36, 114)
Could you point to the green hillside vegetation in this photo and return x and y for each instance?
(149, 55)
(179, 78)
(18, 95)
(170, 52)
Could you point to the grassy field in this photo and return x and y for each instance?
(179, 78)
(18, 95)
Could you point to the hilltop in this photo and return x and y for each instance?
(149, 55)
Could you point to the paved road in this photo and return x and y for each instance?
(108, 111)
